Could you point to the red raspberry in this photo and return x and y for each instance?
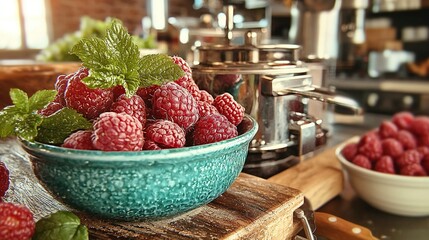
(133, 106)
(407, 139)
(16, 222)
(387, 130)
(411, 156)
(117, 132)
(423, 150)
(362, 161)
(89, 102)
(403, 120)
(206, 97)
(182, 63)
(188, 83)
(4, 179)
(370, 146)
(227, 106)
(174, 103)
(204, 109)
(392, 147)
(166, 134)
(425, 163)
(150, 145)
(412, 170)
(385, 164)
(213, 128)
(146, 94)
(79, 140)
(50, 109)
(118, 91)
(420, 126)
(423, 140)
(349, 151)
(61, 86)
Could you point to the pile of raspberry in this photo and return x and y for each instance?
(173, 115)
(399, 145)
(16, 220)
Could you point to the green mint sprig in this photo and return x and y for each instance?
(23, 120)
(115, 60)
(60, 225)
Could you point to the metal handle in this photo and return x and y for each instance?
(302, 85)
(305, 224)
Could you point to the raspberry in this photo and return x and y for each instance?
(387, 129)
(349, 151)
(392, 147)
(146, 94)
(420, 126)
(206, 97)
(165, 134)
(79, 140)
(213, 128)
(370, 146)
(204, 109)
(423, 140)
(385, 164)
(89, 102)
(118, 91)
(182, 63)
(227, 106)
(16, 222)
(150, 145)
(133, 106)
(117, 132)
(403, 120)
(362, 161)
(407, 139)
(50, 109)
(188, 83)
(425, 163)
(409, 157)
(61, 86)
(423, 150)
(226, 81)
(4, 179)
(412, 170)
(172, 102)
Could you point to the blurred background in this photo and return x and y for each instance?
(375, 51)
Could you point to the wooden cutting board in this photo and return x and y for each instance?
(252, 208)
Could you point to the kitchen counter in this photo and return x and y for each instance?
(349, 206)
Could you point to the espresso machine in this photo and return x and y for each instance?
(274, 86)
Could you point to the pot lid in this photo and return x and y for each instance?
(248, 58)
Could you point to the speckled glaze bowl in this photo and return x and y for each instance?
(140, 185)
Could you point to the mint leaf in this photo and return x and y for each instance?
(22, 119)
(158, 69)
(60, 225)
(27, 127)
(112, 60)
(40, 99)
(58, 126)
(19, 99)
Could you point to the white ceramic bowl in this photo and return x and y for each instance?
(396, 194)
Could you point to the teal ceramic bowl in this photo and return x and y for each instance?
(141, 185)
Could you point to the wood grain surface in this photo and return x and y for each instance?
(320, 177)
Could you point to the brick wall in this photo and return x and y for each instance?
(65, 14)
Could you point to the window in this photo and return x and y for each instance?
(23, 24)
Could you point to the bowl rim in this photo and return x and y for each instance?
(373, 173)
(136, 156)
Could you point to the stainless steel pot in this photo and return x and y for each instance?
(272, 84)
